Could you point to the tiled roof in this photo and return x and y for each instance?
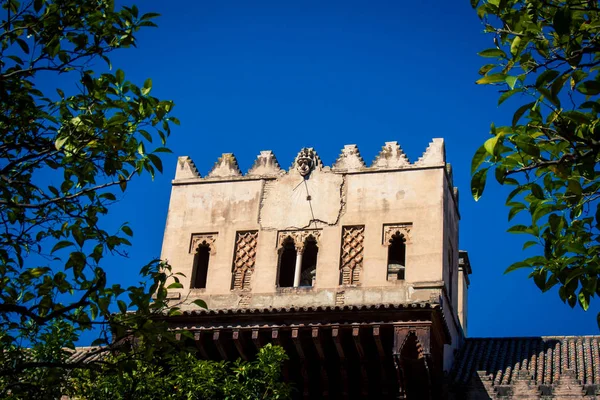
(542, 359)
(294, 309)
(87, 354)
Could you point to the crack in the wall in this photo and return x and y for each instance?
(266, 188)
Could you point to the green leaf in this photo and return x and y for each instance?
(589, 88)
(23, 45)
(175, 285)
(508, 94)
(200, 303)
(517, 265)
(492, 78)
(562, 20)
(545, 77)
(37, 272)
(486, 68)
(518, 229)
(478, 159)
(127, 230)
(515, 209)
(539, 278)
(514, 47)
(511, 81)
(537, 191)
(78, 235)
(61, 245)
(493, 53)
(491, 145)
(584, 300)
(520, 111)
(60, 142)
(478, 183)
(120, 75)
(529, 243)
(156, 161)
(558, 84)
(148, 84)
(122, 306)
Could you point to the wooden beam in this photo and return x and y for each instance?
(382, 358)
(335, 334)
(303, 367)
(199, 345)
(364, 382)
(256, 339)
(216, 340)
(277, 340)
(275, 336)
(297, 343)
(238, 341)
(317, 340)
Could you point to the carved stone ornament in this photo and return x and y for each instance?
(305, 161)
(204, 239)
(352, 254)
(245, 258)
(389, 231)
(299, 237)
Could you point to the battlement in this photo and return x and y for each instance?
(266, 166)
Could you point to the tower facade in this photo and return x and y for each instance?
(355, 270)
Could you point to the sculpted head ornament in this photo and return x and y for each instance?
(305, 161)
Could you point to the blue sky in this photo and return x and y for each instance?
(281, 75)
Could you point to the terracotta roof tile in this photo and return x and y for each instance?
(543, 359)
(296, 309)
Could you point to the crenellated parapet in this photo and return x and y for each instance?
(225, 166)
(391, 157)
(186, 169)
(435, 154)
(266, 164)
(350, 159)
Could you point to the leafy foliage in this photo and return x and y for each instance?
(65, 155)
(182, 376)
(546, 57)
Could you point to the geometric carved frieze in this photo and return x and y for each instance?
(352, 254)
(299, 237)
(391, 230)
(244, 259)
(204, 239)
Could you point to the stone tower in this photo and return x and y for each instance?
(355, 270)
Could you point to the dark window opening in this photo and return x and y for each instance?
(201, 260)
(396, 258)
(308, 271)
(287, 264)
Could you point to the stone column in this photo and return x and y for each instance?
(298, 268)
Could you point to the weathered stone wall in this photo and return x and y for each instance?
(392, 195)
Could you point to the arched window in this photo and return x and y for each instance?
(287, 263)
(308, 270)
(396, 258)
(200, 272)
(297, 258)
